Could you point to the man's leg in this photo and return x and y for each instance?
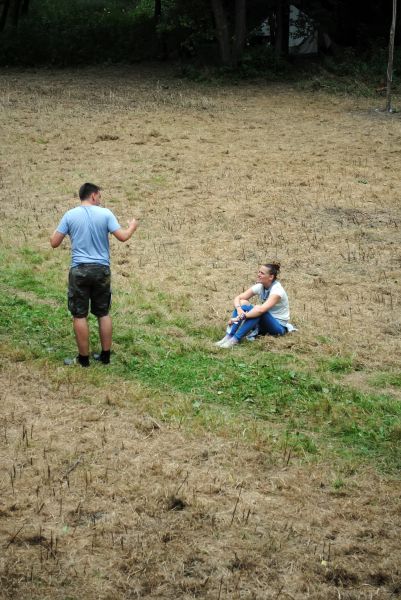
(100, 305)
(81, 330)
(78, 303)
(105, 332)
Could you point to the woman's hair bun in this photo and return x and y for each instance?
(274, 267)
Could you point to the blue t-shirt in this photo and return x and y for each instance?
(89, 228)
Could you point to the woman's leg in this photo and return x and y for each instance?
(269, 324)
(236, 326)
(245, 327)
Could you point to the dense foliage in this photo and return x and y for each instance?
(74, 32)
(78, 32)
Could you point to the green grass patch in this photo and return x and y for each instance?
(316, 417)
(386, 380)
(161, 348)
(338, 364)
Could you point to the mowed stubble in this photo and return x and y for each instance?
(222, 178)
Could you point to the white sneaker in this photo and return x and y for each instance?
(223, 341)
(230, 343)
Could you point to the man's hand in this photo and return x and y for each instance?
(123, 235)
(133, 225)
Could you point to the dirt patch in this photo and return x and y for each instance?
(99, 501)
(362, 381)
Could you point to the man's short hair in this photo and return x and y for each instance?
(87, 189)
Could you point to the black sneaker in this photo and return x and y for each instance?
(71, 362)
(100, 357)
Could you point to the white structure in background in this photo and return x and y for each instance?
(303, 37)
(306, 43)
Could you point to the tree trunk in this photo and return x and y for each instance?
(16, 12)
(161, 50)
(390, 59)
(25, 7)
(282, 32)
(222, 31)
(4, 14)
(240, 31)
(158, 11)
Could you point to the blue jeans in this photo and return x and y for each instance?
(266, 323)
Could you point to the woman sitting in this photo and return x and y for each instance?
(270, 317)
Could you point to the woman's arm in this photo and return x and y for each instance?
(242, 299)
(244, 296)
(261, 309)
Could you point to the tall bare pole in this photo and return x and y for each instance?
(390, 59)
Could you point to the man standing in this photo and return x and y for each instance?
(88, 226)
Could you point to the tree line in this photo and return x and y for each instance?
(165, 28)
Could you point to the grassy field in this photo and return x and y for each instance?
(183, 471)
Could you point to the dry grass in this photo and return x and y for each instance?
(221, 180)
(99, 500)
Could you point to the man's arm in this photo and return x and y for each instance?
(123, 235)
(56, 239)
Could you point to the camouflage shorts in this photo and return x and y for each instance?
(89, 283)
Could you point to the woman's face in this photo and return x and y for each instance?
(265, 277)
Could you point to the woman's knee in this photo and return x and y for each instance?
(246, 307)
